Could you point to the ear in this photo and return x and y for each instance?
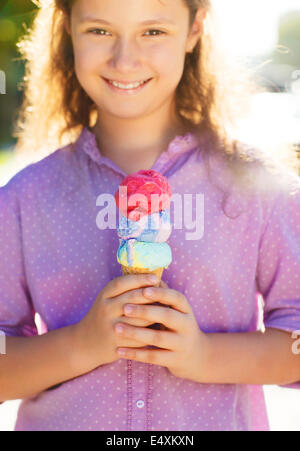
(197, 29)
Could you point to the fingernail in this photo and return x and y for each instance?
(149, 292)
(119, 328)
(153, 279)
(128, 309)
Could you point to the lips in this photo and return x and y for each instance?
(110, 80)
(124, 91)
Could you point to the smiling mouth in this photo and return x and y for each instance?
(125, 90)
(128, 82)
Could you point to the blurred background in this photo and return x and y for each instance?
(263, 35)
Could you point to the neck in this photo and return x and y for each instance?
(138, 138)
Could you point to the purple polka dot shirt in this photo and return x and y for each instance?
(55, 259)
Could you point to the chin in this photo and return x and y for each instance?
(123, 114)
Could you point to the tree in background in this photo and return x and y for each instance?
(15, 18)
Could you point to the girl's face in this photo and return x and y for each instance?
(112, 41)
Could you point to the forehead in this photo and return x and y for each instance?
(135, 11)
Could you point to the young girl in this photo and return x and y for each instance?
(128, 86)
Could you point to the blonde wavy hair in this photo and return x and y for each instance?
(213, 93)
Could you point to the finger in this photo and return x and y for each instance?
(169, 297)
(116, 304)
(129, 297)
(170, 318)
(153, 356)
(129, 282)
(161, 339)
(163, 284)
(129, 343)
(138, 322)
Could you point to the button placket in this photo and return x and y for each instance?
(139, 395)
(129, 395)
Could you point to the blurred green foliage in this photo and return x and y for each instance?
(289, 36)
(15, 17)
(5, 157)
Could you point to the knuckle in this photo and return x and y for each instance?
(151, 357)
(118, 283)
(135, 295)
(140, 293)
(137, 322)
(168, 314)
(156, 339)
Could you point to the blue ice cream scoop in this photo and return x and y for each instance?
(155, 228)
(141, 254)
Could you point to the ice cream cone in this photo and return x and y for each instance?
(130, 270)
(144, 227)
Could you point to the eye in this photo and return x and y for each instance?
(97, 31)
(156, 31)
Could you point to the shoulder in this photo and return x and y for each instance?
(254, 180)
(39, 175)
(276, 190)
(254, 171)
(275, 185)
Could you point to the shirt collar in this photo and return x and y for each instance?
(178, 146)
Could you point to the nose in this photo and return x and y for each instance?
(125, 55)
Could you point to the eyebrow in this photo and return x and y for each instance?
(158, 20)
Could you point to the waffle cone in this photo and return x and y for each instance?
(129, 270)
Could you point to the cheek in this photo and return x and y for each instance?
(86, 66)
(86, 59)
(169, 60)
(87, 56)
(170, 72)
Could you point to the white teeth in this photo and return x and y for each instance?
(130, 86)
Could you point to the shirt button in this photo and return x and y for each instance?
(140, 404)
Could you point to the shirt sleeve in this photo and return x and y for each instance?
(278, 270)
(16, 311)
